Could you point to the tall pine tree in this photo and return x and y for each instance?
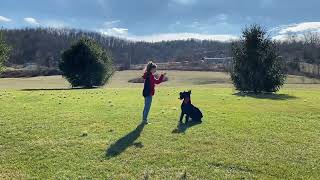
(257, 66)
(4, 52)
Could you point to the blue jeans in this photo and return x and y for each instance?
(147, 105)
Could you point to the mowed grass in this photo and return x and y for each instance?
(95, 134)
(120, 79)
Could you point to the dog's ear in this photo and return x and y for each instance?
(180, 96)
(189, 91)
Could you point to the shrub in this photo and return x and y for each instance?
(86, 64)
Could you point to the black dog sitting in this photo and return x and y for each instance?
(188, 109)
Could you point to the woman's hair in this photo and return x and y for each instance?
(150, 66)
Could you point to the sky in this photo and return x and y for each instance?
(156, 20)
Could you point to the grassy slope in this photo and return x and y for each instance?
(251, 137)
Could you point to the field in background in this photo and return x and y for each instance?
(121, 78)
(95, 134)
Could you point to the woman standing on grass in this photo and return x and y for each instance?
(149, 84)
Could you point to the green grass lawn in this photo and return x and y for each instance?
(95, 134)
(120, 79)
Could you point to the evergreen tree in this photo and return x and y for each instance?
(257, 66)
(4, 52)
(86, 64)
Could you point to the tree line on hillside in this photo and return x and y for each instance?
(43, 47)
(256, 67)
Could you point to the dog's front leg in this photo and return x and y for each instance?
(181, 117)
(187, 118)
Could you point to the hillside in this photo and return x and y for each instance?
(44, 46)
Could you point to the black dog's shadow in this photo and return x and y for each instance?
(126, 141)
(182, 127)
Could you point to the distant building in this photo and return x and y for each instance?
(217, 60)
(30, 66)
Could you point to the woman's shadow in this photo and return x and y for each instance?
(126, 141)
(182, 127)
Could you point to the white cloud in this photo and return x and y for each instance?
(55, 24)
(118, 32)
(182, 36)
(298, 28)
(31, 21)
(185, 2)
(101, 2)
(280, 37)
(222, 17)
(195, 24)
(294, 31)
(4, 19)
(286, 32)
(124, 33)
(266, 3)
(248, 18)
(288, 37)
(109, 30)
(111, 23)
